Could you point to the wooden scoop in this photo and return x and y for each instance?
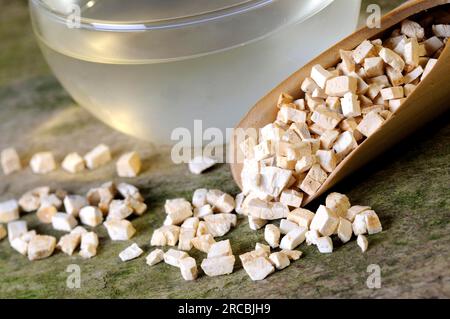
(428, 100)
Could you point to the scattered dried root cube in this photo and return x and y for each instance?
(324, 244)
(31, 200)
(272, 235)
(302, 217)
(100, 197)
(291, 198)
(188, 268)
(199, 197)
(68, 243)
(91, 216)
(202, 229)
(63, 222)
(218, 266)
(239, 200)
(20, 245)
(119, 229)
(203, 242)
(355, 210)
(98, 156)
(138, 207)
(74, 203)
(165, 236)
(372, 221)
(46, 213)
(131, 252)
(325, 221)
(3, 232)
(292, 254)
(199, 164)
(128, 190)
(41, 246)
(16, 229)
(344, 230)
(177, 211)
(10, 161)
(258, 268)
(202, 212)
(73, 163)
(279, 260)
(256, 223)
(185, 239)
(293, 239)
(220, 249)
(89, 245)
(9, 211)
(362, 243)
(359, 225)
(42, 163)
(129, 165)
(220, 224)
(119, 209)
(325, 118)
(338, 203)
(155, 257)
(172, 257)
(264, 248)
(311, 237)
(286, 226)
(221, 202)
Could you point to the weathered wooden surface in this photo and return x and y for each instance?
(408, 187)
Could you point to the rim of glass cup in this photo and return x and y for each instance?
(178, 22)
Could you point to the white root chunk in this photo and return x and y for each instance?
(155, 257)
(98, 156)
(325, 221)
(9, 211)
(294, 238)
(42, 163)
(131, 252)
(220, 249)
(91, 216)
(203, 242)
(188, 268)
(218, 266)
(10, 161)
(279, 260)
(200, 164)
(172, 257)
(64, 222)
(41, 246)
(165, 236)
(119, 229)
(324, 244)
(272, 235)
(129, 165)
(73, 163)
(362, 242)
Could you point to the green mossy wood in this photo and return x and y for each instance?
(408, 187)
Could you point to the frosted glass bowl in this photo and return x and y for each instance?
(146, 67)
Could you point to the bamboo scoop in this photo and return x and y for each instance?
(430, 99)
